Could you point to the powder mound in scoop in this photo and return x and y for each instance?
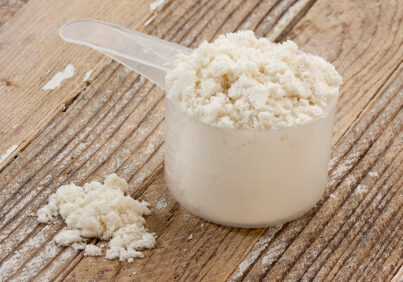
(102, 211)
(239, 81)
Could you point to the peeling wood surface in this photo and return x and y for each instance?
(115, 123)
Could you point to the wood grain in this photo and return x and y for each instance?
(8, 8)
(115, 124)
(31, 53)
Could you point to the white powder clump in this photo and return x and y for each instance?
(58, 78)
(103, 211)
(68, 237)
(78, 246)
(239, 81)
(92, 250)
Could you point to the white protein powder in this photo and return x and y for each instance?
(104, 211)
(239, 81)
(92, 251)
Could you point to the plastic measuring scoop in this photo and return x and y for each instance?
(150, 56)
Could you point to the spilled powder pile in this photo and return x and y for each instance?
(103, 211)
(239, 81)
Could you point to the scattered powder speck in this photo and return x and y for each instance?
(286, 18)
(343, 167)
(376, 200)
(14, 126)
(78, 246)
(49, 272)
(134, 272)
(154, 5)
(87, 75)
(16, 259)
(202, 225)
(161, 204)
(8, 153)
(373, 174)
(256, 251)
(126, 70)
(272, 255)
(130, 260)
(190, 237)
(57, 79)
(360, 189)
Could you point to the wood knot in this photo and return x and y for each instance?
(7, 82)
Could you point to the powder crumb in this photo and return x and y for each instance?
(78, 246)
(103, 211)
(202, 225)
(361, 189)
(373, 174)
(161, 204)
(190, 237)
(57, 79)
(134, 272)
(68, 237)
(130, 260)
(92, 250)
(239, 81)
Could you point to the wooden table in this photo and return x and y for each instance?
(114, 122)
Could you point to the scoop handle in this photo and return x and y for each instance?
(150, 56)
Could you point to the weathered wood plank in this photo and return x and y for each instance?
(380, 252)
(31, 53)
(8, 8)
(399, 273)
(340, 163)
(356, 186)
(363, 39)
